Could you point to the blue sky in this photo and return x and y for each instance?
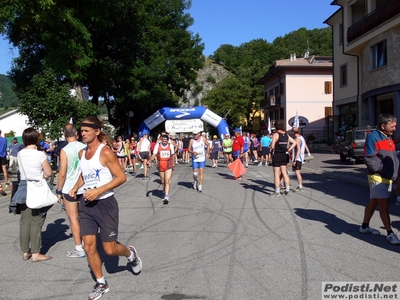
(236, 22)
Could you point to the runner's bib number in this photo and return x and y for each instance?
(165, 154)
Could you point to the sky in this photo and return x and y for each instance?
(235, 22)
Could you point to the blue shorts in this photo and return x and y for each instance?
(198, 164)
(236, 154)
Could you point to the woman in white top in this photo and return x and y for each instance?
(33, 165)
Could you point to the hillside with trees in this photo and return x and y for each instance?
(237, 96)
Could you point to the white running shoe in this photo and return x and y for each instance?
(136, 263)
(393, 239)
(76, 253)
(200, 188)
(369, 230)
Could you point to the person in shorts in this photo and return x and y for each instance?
(382, 167)
(199, 149)
(280, 147)
(216, 144)
(164, 151)
(67, 176)
(98, 213)
(227, 147)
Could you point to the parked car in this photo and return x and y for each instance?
(352, 147)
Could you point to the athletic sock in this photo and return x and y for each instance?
(101, 280)
(365, 225)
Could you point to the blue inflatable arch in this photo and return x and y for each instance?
(197, 112)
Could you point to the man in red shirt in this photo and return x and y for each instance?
(238, 146)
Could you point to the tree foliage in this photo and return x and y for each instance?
(7, 97)
(250, 61)
(136, 55)
(49, 106)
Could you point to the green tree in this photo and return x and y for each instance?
(55, 107)
(136, 55)
(229, 99)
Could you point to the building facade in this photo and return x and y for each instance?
(366, 34)
(302, 85)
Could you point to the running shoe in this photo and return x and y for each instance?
(99, 290)
(166, 199)
(200, 188)
(286, 193)
(369, 230)
(274, 194)
(76, 253)
(260, 164)
(136, 263)
(393, 239)
(298, 189)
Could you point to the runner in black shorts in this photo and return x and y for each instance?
(280, 147)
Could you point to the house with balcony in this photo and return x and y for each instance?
(302, 85)
(366, 80)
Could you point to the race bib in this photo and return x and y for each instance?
(89, 186)
(165, 154)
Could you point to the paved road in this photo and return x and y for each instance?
(230, 242)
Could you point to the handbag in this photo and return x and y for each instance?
(38, 193)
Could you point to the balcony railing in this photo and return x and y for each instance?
(270, 102)
(382, 14)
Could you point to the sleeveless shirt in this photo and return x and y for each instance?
(94, 173)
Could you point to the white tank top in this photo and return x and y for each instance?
(73, 171)
(95, 174)
(144, 145)
(302, 149)
(199, 147)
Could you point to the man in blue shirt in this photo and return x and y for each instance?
(265, 142)
(3, 161)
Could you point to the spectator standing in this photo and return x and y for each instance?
(13, 164)
(67, 177)
(34, 165)
(255, 144)
(265, 143)
(3, 162)
(280, 147)
(382, 166)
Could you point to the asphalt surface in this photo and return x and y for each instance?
(232, 241)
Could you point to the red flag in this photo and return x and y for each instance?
(237, 168)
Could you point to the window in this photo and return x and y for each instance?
(328, 87)
(340, 34)
(276, 90)
(343, 75)
(379, 55)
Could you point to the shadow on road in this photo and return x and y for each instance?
(339, 226)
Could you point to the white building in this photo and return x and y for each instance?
(13, 121)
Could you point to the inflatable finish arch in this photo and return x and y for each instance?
(197, 112)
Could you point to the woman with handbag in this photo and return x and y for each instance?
(34, 166)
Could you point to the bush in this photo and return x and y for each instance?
(211, 79)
